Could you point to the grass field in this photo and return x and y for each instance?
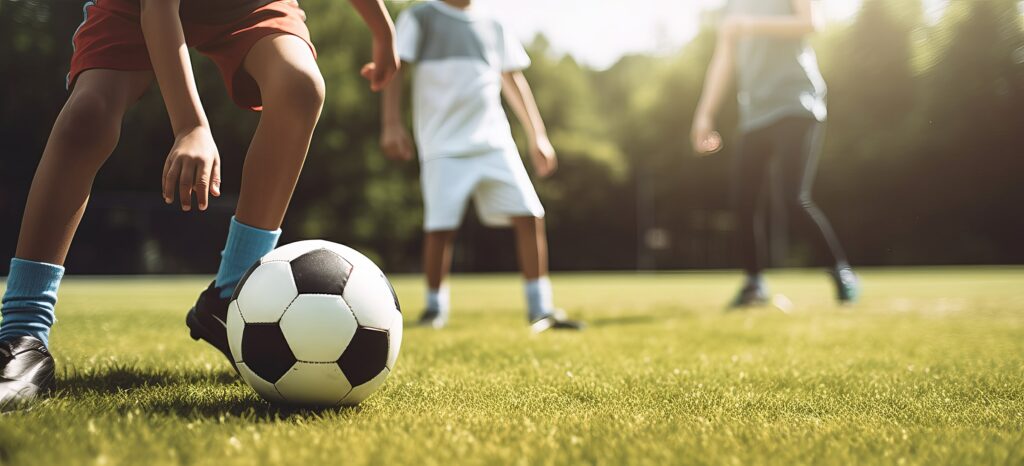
(929, 369)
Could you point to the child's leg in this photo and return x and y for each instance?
(84, 135)
(292, 90)
(532, 246)
(293, 95)
(437, 263)
(753, 155)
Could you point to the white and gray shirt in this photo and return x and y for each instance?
(777, 76)
(460, 56)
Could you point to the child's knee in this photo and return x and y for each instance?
(301, 91)
(88, 120)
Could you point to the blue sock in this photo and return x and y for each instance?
(439, 301)
(245, 246)
(539, 298)
(29, 300)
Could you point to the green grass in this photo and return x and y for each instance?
(929, 369)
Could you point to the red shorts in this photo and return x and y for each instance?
(110, 37)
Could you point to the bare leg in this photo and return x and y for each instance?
(532, 246)
(293, 95)
(437, 256)
(84, 135)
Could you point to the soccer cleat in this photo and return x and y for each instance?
(26, 371)
(847, 285)
(750, 296)
(555, 321)
(208, 320)
(432, 318)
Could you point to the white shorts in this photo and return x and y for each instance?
(497, 182)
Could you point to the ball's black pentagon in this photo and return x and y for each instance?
(266, 351)
(393, 294)
(366, 355)
(321, 272)
(238, 287)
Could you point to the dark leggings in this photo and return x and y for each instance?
(795, 143)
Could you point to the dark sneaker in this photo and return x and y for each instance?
(750, 296)
(26, 371)
(555, 321)
(208, 320)
(432, 318)
(847, 285)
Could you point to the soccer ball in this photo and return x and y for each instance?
(314, 323)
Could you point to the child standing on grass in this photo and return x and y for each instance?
(267, 61)
(782, 114)
(465, 61)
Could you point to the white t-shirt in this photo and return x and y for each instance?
(460, 56)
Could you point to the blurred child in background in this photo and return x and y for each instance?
(782, 120)
(464, 61)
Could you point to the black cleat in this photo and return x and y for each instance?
(432, 318)
(208, 320)
(750, 296)
(847, 285)
(555, 321)
(26, 371)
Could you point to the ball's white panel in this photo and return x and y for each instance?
(318, 327)
(394, 340)
(314, 384)
(267, 293)
(368, 294)
(360, 393)
(292, 250)
(235, 327)
(262, 387)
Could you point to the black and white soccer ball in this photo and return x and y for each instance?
(314, 323)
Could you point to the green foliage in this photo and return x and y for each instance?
(921, 166)
(662, 376)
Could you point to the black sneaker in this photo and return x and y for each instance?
(555, 321)
(750, 296)
(432, 318)
(847, 285)
(26, 371)
(208, 320)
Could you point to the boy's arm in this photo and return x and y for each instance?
(799, 24)
(193, 163)
(703, 136)
(395, 140)
(519, 96)
(385, 57)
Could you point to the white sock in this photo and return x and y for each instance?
(438, 300)
(539, 298)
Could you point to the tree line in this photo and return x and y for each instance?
(924, 157)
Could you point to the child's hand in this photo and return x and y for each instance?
(193, 166)
(385, 64)
(396, 143)
(542, 154)
(703, 136)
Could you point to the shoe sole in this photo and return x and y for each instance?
(13, 399)
(544, 325)
(200, 331)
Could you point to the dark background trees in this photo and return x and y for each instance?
(924, 161)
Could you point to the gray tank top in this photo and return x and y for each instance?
(777, 77)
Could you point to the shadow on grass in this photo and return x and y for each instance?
(625, 320)
(251, 408)
(115, 379)
(177, 395)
